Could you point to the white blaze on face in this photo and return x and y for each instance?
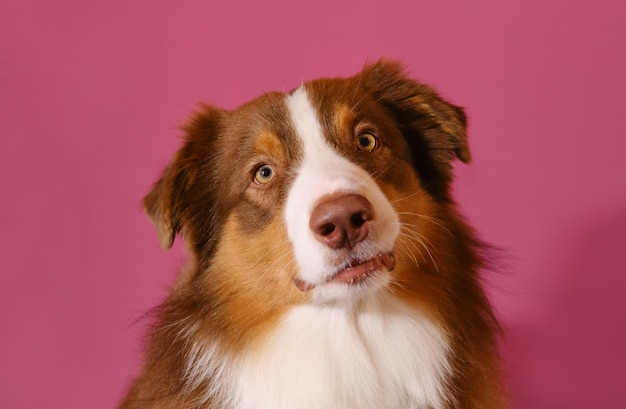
(324, 171)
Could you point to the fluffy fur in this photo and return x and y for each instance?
(328, 266)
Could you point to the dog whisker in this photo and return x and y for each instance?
(428, 218)
(288, 254)
(396, 287)
(356, 103)
(377, 175)
(399, 199)
(422, 241)
(404, 248)
(417, 235)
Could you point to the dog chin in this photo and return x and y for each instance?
(341, 292)
(353, 280)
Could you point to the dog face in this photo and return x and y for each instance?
(322, 195)
(328, 264)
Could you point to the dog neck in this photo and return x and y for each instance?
(369, 354)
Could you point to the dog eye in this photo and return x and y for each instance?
(264, 174)
(367, 142)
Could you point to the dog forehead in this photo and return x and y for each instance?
(337, 109)
(267, 113)
(304, 117)
(262, 127)
(313, 111)
(328, 115)
(319, 114)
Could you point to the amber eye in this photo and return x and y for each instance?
(367, 142)
(264, 174)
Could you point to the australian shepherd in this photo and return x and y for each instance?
(328, 266)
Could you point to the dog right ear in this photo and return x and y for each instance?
(168, 203)
(161, 204)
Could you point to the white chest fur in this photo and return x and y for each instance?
(383, 356)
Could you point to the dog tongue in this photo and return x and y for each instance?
(359, 272)
(355, 273)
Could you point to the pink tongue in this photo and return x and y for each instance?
(355, 273)
(361, 271)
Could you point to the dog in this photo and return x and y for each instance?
(328, 265)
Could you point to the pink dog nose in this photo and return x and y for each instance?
(341, 221)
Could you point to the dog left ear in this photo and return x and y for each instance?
(420, 107)
(435, 129)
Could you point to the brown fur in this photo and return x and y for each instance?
(241, 259)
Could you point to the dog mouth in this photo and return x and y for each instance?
(356, 272)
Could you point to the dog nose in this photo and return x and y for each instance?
(341, 221)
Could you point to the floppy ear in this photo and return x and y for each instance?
(161, 204)
(436, 130)
(168, 203)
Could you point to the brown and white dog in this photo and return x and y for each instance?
(328, 265)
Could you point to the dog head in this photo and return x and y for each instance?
(324, 194)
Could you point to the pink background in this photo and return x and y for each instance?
(90, 96)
